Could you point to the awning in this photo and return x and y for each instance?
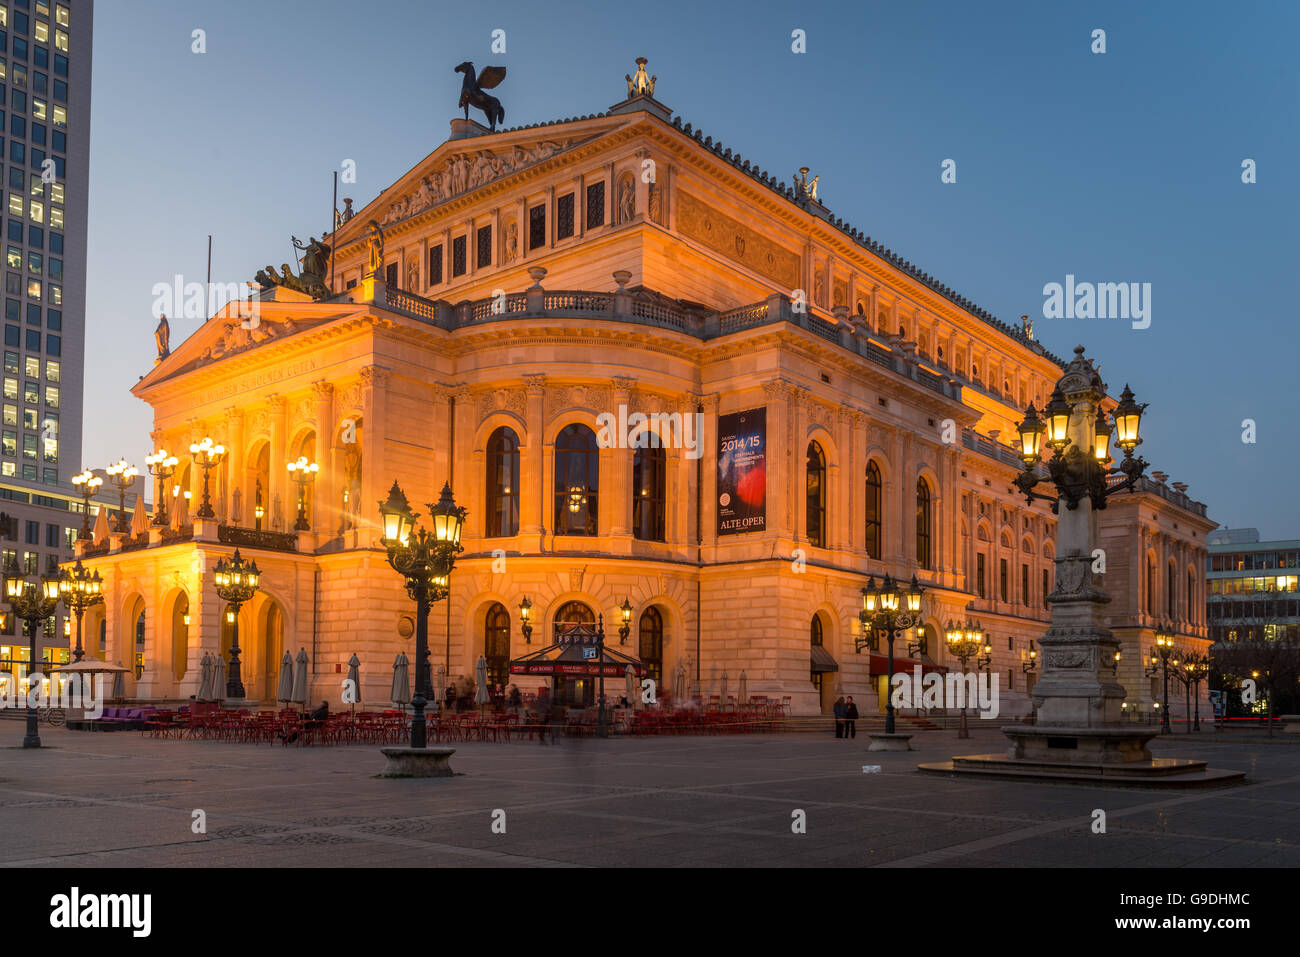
(579, 652)
(822, 660)
(880, 665)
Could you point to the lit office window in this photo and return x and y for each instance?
(39, 110)
(56, 192)
(36, 212)
(20, 81)
(32, 367)
(4, 16)
(33, 289)
(16, 207)
(51, 397)
(14, 257)
(11, 362)
(9, 443)
(56, 217)
(11, 415)
(51, 451)
(42, 9)
(29, 446)
(42, 32)
(60, 15)
(56, 294)
(9, 469)
(4, 69)
(31, 391)
(29, 419)
(61, 40)
(11, 388)
(52, 371)
(37, 187)
(60, 116)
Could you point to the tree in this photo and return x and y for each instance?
(1273, 665)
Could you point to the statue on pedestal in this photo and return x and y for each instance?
(471, 92)
(162, 339)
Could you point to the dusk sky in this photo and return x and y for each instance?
(1117, 167)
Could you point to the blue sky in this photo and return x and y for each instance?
(1115, 167)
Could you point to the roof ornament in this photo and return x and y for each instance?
(808, 189)
(640, 83)
(471, 92)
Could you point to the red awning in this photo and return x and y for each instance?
(880, 665)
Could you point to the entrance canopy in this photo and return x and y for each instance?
(578, 652)
(880, 665)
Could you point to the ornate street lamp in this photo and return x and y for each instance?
(259, 510)
(87, 484)
(525, 620)
(1030, 664)
(1161, 657)
(625, 610)
(207, 455)
(964, 643)
(302, 472)
(425, 561)
(80, 589)
(236, 581)
(161, 466)
(32, 603)
(892, 608)
(122, 474)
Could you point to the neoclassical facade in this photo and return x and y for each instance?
(822, 411)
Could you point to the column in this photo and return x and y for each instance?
(616, 462)
(374, 472)
(798, 458)
(532, 479)
(280, 520)
(235, 467)
(708, 494)
(324, 515)
(461, 478)
(840, 528)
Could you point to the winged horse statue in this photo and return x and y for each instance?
(471, 92)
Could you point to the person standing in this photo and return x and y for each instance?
(850, 718)
(839, 716)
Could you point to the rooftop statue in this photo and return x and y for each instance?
(640, 83)
(315, 267)
(471, 92)
(162, 339)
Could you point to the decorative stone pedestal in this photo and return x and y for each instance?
(889, 742)
(1115, 745)
(417, 762)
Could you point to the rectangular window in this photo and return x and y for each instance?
(30, 558)
(537, 227)
(60, 64)
(60, 15)
(17, 208)
(40, 83)
(11, 388)
(29, 447)
(11, 363)
(596, 205)
(484, 258)
(50, 477)
(55, 291)
(60, 117)
(14, 283)
(458, 256)
(29, 419)
(31, 392)
(56, 269)
(54, 320)
(15, 231)
(1002, 578)
(61, 91)
(52, 371)
(33, 339)
(36, 211)
(35, 236)
(390, 275)
(33, 314)
(36, 184)
(14, 259)
(564, 217)
(56, 243)
(33, 536)
(1046, 590)
(20, 52)
(51, 536)
(1024, 584)
(40, 109)
(54, 345)
(9, 443)
(56, 217)
(17, 152)
(13, 310)
(8, 469)
(51, 451)
(42, 32)
(34, 288)
(51, 396)
(435, 264)
(979, 576)
(11, 415)
(61, 40)
(35, 262)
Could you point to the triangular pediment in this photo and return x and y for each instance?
(460, 166)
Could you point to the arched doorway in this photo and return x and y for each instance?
(180, 631)
(573, 692)
(496, 646)
(823, 665)
(268, 648)
(650, 645)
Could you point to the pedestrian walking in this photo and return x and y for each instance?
(839, 716)
(850, 718)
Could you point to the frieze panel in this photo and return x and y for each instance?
(501, 400)
(698, 221)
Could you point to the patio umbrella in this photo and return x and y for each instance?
(119, 683)
(401, 681)
(205, 678)
(679, 683)
(481, 696)
(742, 695)
(630, 677)
(440, 688)
(284, 690)
(139, 519)
(84, 672)
(722, 691)
(299, 695)
(354, 677)
(218, 679)
(101, 526)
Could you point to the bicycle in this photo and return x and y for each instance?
(54, 717)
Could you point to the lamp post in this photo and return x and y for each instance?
(425, 561)
(625, 610)
(525, 620)
(236, 581)
(1160, 658)
(964, 642)
(1198, 670)
(302, 472)
(207, 455)
(122, 474)
(87, 484)
(80, 589)
(32, 603)
(602, 726)
(161, 466)
(1077, 688)
(891, 607)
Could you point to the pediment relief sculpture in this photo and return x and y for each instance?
(240, 335)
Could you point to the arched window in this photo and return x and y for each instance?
(503, 484)
(924, 523)
(496, 646)
(816, 496)
(577, 463)
(873, 510)
(649, 468)
(651, 645)
(572, 613)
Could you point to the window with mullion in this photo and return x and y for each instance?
(577, 470)
(873, 510)
(649, 468)
(503, 484)
(816, 496)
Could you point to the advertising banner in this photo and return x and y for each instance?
(742, 472)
